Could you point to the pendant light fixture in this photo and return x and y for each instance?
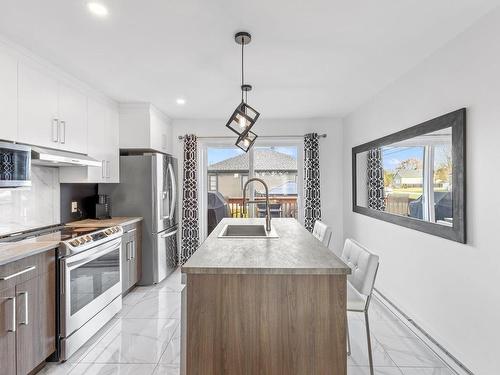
(244, 116)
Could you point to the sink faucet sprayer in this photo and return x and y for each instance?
(268, 212)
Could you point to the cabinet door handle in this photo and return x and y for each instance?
(131, 230)
(63, 132)
(13, 327)
(127, 251)
(26, 312)
(133, 249)
(55, 130)
(103, 168)
(3, 278)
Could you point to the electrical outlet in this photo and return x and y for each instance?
(74, 207)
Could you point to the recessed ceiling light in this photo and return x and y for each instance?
(98, 9)
(181, 101)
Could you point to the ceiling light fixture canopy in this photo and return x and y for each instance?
(244, 116)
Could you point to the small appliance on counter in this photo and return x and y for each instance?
(99, 207)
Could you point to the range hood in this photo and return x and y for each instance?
(57, 158)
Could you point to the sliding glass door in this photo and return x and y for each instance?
(226, 169)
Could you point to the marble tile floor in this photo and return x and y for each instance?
(144, 339)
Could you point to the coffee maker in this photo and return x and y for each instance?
(101, 209)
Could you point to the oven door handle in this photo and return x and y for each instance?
(98, 252)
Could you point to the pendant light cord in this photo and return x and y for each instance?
(242, 68)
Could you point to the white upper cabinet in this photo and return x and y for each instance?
(161, 131)
(142, 126)
(8, 97)
(98, 131)
(113, 157)
(72, 119)
(104, 142)
(103, 145)
(38, 108)
(51, 114)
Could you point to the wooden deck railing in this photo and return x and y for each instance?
(281, 206)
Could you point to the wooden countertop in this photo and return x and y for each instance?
(92, 223)
(296, 251)
(13, 251)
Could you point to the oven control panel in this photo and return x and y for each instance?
(95, 237)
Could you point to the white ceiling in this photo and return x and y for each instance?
(308, 58)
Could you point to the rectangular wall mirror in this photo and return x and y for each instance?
(415, 177)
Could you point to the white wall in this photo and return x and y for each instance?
(451, 289)
(330, 149)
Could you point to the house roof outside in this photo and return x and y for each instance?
(264, 160)
(409, 173)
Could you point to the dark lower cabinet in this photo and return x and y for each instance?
(36, 321)
(131, 255)
(7, 331)
(27, 313)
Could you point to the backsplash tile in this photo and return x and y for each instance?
(38, 205)
(82, 194)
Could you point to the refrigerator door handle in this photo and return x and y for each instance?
(174, 191)
(169, 234)
(164, 195)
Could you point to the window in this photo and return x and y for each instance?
(403, 179)
(229, 168)
(418, 178)
(278, 167)
(244, 179)
(212, 182)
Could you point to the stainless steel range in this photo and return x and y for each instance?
(90, 284)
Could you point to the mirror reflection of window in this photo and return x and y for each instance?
(404, 179)
(410, 178)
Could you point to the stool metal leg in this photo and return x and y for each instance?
(369, 342)
(348, 338)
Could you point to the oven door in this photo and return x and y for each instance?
(89, 282)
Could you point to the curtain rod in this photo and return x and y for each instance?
(181, 137)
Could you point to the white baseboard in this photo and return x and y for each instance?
(449, 359)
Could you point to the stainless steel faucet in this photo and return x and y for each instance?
(268, 212)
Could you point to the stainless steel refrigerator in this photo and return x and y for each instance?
(148, 188)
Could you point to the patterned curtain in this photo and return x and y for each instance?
(376, 198)
(190, 235)
(312, 196)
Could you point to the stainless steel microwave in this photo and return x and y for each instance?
(15, 165)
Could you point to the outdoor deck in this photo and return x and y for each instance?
(281, 206)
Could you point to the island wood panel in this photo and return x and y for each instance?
(266, 324)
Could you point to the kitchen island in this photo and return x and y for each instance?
(264, 305)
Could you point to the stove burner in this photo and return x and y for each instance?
(79, 239)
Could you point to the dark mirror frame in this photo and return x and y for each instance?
(455, 120)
